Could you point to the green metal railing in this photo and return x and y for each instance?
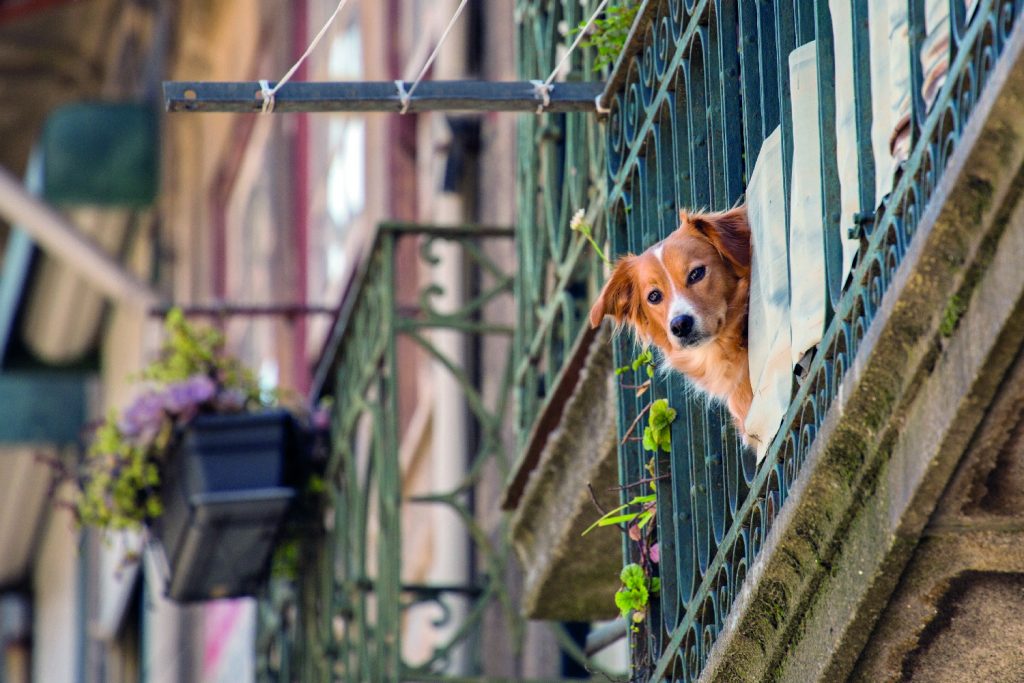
(342, 614)
(561, 170)
(700, 86)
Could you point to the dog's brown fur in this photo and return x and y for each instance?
(717, 360)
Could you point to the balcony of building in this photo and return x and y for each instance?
(878, 148)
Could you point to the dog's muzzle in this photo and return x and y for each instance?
(682, 327)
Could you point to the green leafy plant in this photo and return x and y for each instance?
(645, 359)
(634, 595)
(608, 34)
(658, 432)
(638, 580)
(616, 516)
(119, 482)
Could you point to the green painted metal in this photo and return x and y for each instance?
(184, 96)
(340, 618)
(697, 89)
(561, 170)
(100, 154)
(42, 407)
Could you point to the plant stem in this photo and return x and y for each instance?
(638, 482)
(600, 252)
(635, 421)
(593, 498)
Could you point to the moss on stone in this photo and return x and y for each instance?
(955, 310)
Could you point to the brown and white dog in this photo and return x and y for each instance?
(688, 296)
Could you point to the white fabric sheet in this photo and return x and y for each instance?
(807, 283)
(890, 89)
(934, 49)
(847, 149)
(771, 371)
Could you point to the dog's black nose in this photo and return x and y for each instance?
(681, 326)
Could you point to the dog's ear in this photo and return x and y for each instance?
(618, 298)
(729, 232)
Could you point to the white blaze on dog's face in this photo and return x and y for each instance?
(677, 294)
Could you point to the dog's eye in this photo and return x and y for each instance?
(696, 275)
(655, 296)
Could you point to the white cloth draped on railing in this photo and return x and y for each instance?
(808, 285)
(771, 370)
(788, 292)
(890, 90)
(847, 149)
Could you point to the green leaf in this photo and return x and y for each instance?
(633, 575)
(633, 595)
(665, 441)
(655, 585)
(617, 519)
(658, 435)
(624, 601)
(650, 439)
(612, 516)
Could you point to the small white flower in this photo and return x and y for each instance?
(578, 219)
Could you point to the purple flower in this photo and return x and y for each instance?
(143, 418)
(230, 401)
(656, 553)
(321, 418)
(186, 396)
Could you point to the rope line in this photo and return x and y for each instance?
(406, 97)
(269, 93)
(542, 90)
(403, 95)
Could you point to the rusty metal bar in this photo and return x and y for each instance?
(381, 96)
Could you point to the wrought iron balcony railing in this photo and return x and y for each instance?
(700, 85)
(561, 170)
(344, 614)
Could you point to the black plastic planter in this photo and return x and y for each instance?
(225, 492)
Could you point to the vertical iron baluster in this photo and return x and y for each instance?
(717, 165)
(696, 99)
(786, 41)
(677, 390)
(668, 536)
(768, 69)
(714, 465)
(863, 104)
(681, 140)
(750, 86)
(917, 31)
(697, 445)
(726, 29)
(668, 209)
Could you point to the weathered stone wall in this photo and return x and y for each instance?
(958, 611)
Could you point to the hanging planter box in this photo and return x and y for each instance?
(226, 491)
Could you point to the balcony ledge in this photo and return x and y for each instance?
(569, 577)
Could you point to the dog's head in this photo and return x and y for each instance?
(680, 292)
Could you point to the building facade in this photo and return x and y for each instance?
(425, 274)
